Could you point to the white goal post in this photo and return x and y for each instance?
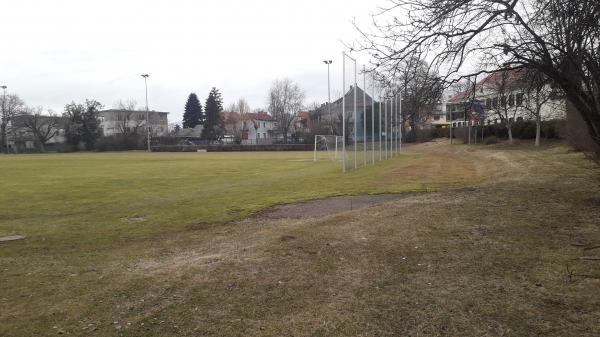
(329, 145)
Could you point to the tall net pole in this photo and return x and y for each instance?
(392, 99)
(373, 120)
(385, 103)
(355, 118)
(401, 125)
(343, 113)
(380, 143)
(365, 115)
(397, 125)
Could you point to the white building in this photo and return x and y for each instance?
(502, 95)
(116, 121)
(250, 128)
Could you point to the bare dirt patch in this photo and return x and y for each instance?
(328, 206)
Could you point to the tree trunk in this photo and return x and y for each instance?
(510, 136)
(538, 129)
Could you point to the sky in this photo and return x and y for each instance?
(59, 51)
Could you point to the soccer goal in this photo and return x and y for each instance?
(328, 147)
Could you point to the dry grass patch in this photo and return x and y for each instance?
(486, 258)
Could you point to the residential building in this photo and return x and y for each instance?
(332, 115)
(495, 95)
(20, 137)
(249, 128)
(117, 121)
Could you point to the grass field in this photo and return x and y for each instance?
(141, 244)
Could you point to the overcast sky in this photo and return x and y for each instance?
(59, 51)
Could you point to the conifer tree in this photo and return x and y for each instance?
(193, 112)
(213, 125)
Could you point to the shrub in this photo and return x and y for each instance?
(490, 140)
(121, 143)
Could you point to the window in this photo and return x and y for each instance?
(258, 135)
(511, 100)
(436, 118)
(520, 99)
(488, 103)
(495, 102)
(264, 125)
(503, 101)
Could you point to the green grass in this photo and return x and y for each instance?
(66, 201)
(146, 241)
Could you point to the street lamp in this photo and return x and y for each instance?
(3, 140)
(328, 63)
(145, 76)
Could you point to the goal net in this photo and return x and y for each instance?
(328, 147)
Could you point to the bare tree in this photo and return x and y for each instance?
(506, 86)
(128, 105)
(241, 107)
(129, 119)
(539, 93)
(421, 90)
(42, 127)
(286, 98)
(11, 105)
(559, 38)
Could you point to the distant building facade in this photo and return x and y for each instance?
(332, 114)
(117, 121)
(249, 128)
(20, 137)
(496, 93)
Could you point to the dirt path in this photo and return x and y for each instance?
(323, 207)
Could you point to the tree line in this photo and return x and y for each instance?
(559, 39)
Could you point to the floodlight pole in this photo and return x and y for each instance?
(145, 76)
(328, 63)
(4, 146)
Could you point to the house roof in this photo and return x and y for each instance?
(232, 116)
(350, 93)
(514, 79)
(123, 110)
(303, 114)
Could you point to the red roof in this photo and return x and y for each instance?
(232, 116)
(259, 116)
(303, 114)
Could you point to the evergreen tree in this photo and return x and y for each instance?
(213, 125)
(193, 114)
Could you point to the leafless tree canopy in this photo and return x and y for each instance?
(42, 127)
(560, 38)
(10, 106)
(128, 105)
(241, 107)
(286, 98)
(421, 90)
